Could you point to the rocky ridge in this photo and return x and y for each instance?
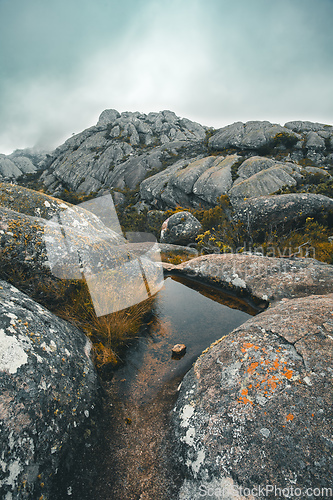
(20, 163)
(168, 161)
(255, 410)
(120, 151)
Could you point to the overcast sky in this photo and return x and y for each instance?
(214, 61)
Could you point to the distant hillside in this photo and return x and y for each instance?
(162, 161)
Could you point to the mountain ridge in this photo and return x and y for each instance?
(156, 155)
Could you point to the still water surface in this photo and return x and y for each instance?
(132, 460)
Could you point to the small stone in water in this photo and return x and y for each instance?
(178, 350)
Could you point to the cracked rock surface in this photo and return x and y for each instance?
(256, 408)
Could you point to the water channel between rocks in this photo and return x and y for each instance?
(132, 460)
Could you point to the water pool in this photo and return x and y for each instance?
(131, 460)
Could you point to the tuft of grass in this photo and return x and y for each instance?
(110, 333)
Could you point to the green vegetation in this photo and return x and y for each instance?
(306, 238)
(282, 140)
(312, 183)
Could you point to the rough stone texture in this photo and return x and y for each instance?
(190, 183)
(180, 229)
(48, 391)
(120, 151)
(264, 278)
(249, 135)
(263, 183)
(306, 126)
(256, 408)
(21, 162)
(33, 246)
(314, 141)
(272, 210)
(13, 167)
(256, 164)
(124, 149)
(318, 171)
(8, 169)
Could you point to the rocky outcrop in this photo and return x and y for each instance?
(273, 210)
(190, 183)
(202, 181)
(180, 229)
(313, 141)
(121, 150)
(317, 140)
(263, 183)
(264, 278)
(255, 411)
(15, 167)
(37, 251)
(252, 135)
(21, 162)
(48, 394)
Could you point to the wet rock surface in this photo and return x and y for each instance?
(49, 390)
(256, 408)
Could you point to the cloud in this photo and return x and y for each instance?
(215, 62)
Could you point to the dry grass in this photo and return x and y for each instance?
(110, 333)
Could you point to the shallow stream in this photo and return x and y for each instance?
(132, 459)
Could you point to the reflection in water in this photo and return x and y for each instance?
(181, 315)
(132, 461)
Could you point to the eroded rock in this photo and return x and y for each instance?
(256, 408)
(265, 210)
(48, 393)
(114, 154)
(265, 278)
(251, 135)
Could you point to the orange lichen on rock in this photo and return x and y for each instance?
(288, 374)
(252, 367)
(245, 400)
(290, 417)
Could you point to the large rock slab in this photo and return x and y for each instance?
(190, 183)
(252, 135)
(263, 183)
(264, 278)
(48, 390)
(37, 251)
(14, 166)
(277, 209)
(255, 411)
